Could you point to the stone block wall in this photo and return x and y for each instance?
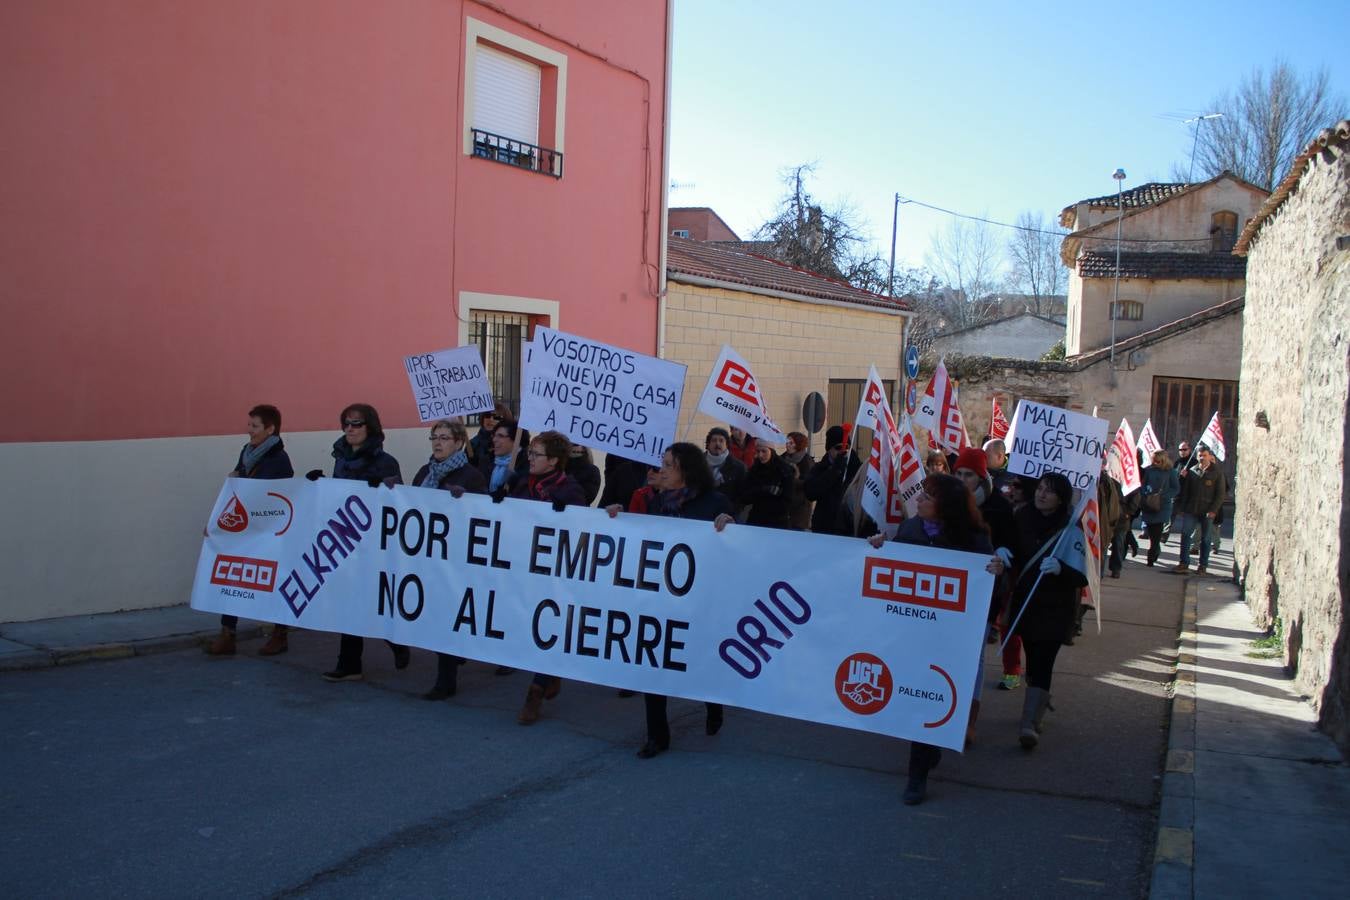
(1293, 506)
(793, 347)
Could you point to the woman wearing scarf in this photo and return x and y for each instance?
(1161, 487)
(449, 469)
(684, 490)
(264, 456)
(728, 472)
(359, 456)
(506, 462)
(480, 445)
(549, 482)
(768, 489)
(948, 518)
(797, 456)
(1051, 614)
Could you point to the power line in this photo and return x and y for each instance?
(1059, 234)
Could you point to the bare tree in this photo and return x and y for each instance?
(1265, 123)
(827, 241)
(967, 257)
(1035, 266)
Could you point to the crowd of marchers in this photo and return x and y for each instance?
(968, 501)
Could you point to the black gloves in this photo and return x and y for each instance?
(314, 474)
(559, 506)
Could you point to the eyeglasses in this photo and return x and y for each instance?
(354, 423)
(441, 437)
(533, 455)
(1184, 449)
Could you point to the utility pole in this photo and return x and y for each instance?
(1119, 176)
(1198, 120)
(895, 220)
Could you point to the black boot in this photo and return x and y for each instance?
(923, 758)
(447, 677)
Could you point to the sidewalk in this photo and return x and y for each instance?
(1255, 801)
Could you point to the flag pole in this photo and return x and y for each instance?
(1074, 517)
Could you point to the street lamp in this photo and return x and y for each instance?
(1119, 176)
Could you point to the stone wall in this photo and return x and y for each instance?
(794, 347)
(1293, 508)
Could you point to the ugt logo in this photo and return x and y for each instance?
(737, 380)
(863, 684)
(235, 518)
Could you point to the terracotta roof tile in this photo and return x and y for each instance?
(1161, 265)
(1143, 195)
(719, 262)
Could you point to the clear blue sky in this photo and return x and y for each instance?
(982, 107)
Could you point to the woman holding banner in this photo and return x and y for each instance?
(449, 469)
(1044, 606)
(358, 455)
(547, 481)
(947, 518)
(684, 490)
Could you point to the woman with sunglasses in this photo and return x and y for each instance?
(947, 518)
(480, 445)
(359, 455)
(449, 469)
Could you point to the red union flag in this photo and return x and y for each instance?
(1148, 442)
(1213, 437)
(881, 484)
(733, 395)
(998, 423)
(1122, 463)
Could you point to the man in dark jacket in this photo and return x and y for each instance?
(1203, 489)
(264, 456)
(728, 471)
(826, 484)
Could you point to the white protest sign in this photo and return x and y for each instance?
(732, 395)
(601, 396)
(448, 383)
(816, 627)
(1049, 439)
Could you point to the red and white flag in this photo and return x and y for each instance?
(940, 412)
(1091, 523)
(732, 395)
(1122, 463)
(872, 401)
(909, 473)
(881, 482)
(1213, 437)
(1148, 442)
(998, 423)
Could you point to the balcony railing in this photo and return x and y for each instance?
(487, 145)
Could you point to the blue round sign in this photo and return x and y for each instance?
(912, 362)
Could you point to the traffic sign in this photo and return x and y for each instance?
(912, 397)
(912, 362)
(813, 412)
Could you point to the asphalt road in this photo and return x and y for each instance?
(180, 775)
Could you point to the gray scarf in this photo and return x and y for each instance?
(251, 455)
(437, 469)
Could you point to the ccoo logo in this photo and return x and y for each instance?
(863, 684)
(737, 381)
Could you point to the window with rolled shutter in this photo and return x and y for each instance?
(506, 95)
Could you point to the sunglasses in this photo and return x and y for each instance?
(354, 423)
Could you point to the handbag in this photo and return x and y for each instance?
(1153, 502)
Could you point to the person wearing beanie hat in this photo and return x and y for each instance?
(973, 458)
(828, 479)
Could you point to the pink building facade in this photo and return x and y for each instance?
(212, 205)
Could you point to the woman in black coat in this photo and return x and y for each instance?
(449, 469)
(768, 489)
(359, 456)
(1047, 620)
(685, 491)
(948, 518)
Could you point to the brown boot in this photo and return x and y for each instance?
(223, 645)
(970, 726)
(554, 689)
(276, 643)
(529, 713)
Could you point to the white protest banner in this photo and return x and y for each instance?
(1148, 442)
(816, 627)
(733, 396)
(600, 396)
(1122, 461)
(1049, 439)
(448, 383)
(1213, 437)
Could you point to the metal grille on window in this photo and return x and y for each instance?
(1182, 408)
(499, 337)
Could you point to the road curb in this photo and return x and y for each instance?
(1174, 852)
(48, 657)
